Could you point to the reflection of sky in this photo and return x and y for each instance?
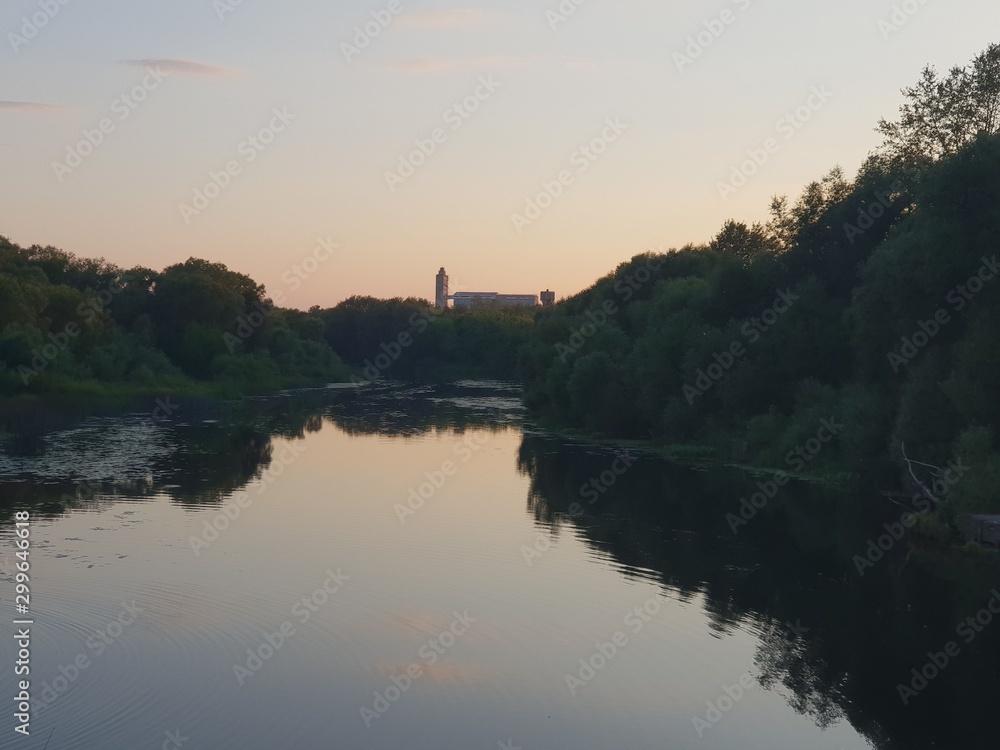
(324, 176)
(334, 508)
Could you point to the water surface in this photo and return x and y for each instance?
(412, 567)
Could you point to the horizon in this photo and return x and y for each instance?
(440, 139)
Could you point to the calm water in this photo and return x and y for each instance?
(269, 575)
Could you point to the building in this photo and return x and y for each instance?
(441, 289)
(468, 300)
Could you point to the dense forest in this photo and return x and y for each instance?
(858, 325)
(861, 322)
(72, 325)
(87, 326)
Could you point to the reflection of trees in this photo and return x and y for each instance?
(218, 458)
(214, 461)
(399, 411)
(833, 643)
(790, 566)
(784, 658)
(222, 447)
(54, 499)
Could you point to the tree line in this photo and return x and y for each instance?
(84, 326)
(72, 325)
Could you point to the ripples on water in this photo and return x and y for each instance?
(117, 502)
(100, 449)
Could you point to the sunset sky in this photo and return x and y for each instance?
(543, 93)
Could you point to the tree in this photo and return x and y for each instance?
(738, 239)
(943, 114)
(203, 293)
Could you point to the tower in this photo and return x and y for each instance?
(548, 298)
(441, 290)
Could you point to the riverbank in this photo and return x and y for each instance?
(937, 533)
(692, 454)
(59, 389)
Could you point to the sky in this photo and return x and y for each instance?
(336, 148)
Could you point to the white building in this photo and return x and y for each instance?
(468, 300)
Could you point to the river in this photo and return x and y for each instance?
(405, 566)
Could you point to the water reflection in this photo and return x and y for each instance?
(201, 453)
(833, 643)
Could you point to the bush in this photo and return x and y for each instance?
(254, 372)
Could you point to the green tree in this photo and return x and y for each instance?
(942, 114)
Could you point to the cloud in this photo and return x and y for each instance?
(183, 67)
(33, 108)
(455, 17)
(439, 65)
